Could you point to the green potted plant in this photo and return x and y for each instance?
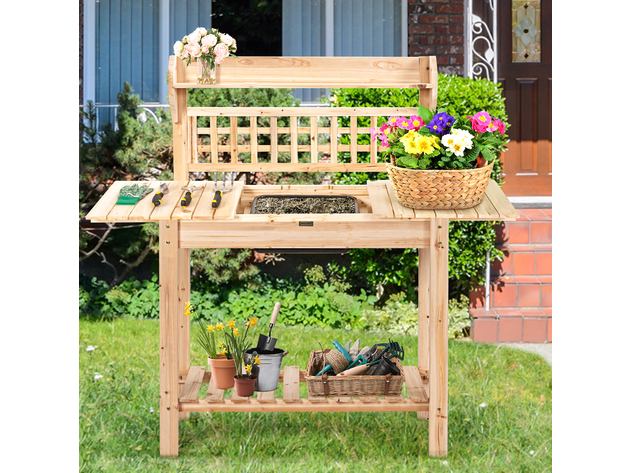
(220, 358)
(438, 160)
(244, 380)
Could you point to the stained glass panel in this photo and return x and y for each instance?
(526, 30)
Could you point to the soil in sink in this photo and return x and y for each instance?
(304, 205)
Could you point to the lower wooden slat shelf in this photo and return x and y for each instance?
(416, 381)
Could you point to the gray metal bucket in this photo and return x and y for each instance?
(268, 371)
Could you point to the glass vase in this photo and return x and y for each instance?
(206, 72)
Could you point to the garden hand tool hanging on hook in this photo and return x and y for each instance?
(157, 198)
(189, 195)
(218, 194)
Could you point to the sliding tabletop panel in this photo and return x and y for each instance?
(377, 205)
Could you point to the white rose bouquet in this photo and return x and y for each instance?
(209, 46)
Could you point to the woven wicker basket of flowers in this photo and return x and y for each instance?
(439, 189)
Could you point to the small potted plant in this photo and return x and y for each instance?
(438, 160)
(244, 380)
(208, 48)
(220, 358)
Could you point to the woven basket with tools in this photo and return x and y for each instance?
(363, 385)
(439, 189)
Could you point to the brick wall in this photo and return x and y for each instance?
(80, 51)
(436, 28)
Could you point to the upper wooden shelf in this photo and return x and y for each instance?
(309, 72)
(377, 203)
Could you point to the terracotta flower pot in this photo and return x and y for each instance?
(223, 372)
(245, 387)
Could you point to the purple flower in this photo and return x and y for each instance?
(441, 123)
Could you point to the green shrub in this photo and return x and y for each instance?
(400, 316)
(388, 271)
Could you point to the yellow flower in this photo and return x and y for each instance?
(224, 351)
(219, 326)
(235, 331)
(210, 328)
(253, 321)
(231, 323)
(248, 368)
(257, 360)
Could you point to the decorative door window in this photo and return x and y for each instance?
(526, 30)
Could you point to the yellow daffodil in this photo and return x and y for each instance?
(231, 323)
(224, 351)
(235, 331)
(257, 360)
(210, 328)
(221, 344)
(248, 368)
(253, 321)
(219, 326)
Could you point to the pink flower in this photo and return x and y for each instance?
(500, 126)
(416, 122)
(477, 125)
(218, 60)
(492, 126)
(209, 40)
(483, 117)
(384, 141)
(221, 51)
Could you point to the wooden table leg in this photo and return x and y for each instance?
(424, 311)
(169, 389)
(438, 339)
(183, 321)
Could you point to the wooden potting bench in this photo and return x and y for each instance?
(381, 222)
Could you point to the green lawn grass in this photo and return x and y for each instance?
(499, 413)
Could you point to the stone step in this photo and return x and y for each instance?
(512, 324)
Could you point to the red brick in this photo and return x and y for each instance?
(484, 330)
(548, 311)
(535, 214)
(422, 50)
(528, 295)
(456, 19)
(510, 312)
(478, 297)
(510, 329)
(449, 9)
(545, 295)
(533, 313)
(433, 19)
(446, 50)
(501, 231)
(434, 39)
(548, 212)
(523, 263)
(504, 296)
(456, 60)
(541, 232)
(442, 60)
(449, 29)
(535, 330)
(456, 39)
(421, 29)
(482, 313)
(522, 216)
(518, 233)
(549, 330)
(502, 267)
(543, 263)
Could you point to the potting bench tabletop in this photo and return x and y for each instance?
(202, 143)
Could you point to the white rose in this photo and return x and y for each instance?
(221, 51)
(202, 31)
(178, 48)
(226, 38)
(194, 37)
(209, 40)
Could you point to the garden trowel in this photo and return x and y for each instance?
(266, 343)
